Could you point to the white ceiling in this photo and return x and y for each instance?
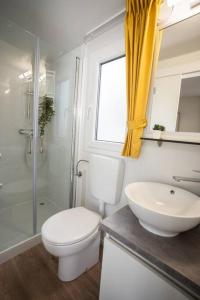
(62, 23)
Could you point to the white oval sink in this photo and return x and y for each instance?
(163, 209)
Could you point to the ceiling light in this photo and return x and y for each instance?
(7, 91)
(21, 76)
(165, 13)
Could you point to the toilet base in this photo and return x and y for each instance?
(71, 267)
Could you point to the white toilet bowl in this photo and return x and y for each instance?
(73, 236)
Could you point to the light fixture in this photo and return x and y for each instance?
(25, 75)
(7, 91)
(21, 76)
(28, 75)
(43, 76)
(173, 2)
(165, 13)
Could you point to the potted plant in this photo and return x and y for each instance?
(157, 131)
(46, 114)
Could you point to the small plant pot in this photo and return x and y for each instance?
(157, 134)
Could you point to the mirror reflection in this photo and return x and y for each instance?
(175, 99)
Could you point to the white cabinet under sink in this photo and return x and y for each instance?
(126, 277)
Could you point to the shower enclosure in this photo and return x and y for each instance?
(37, 125)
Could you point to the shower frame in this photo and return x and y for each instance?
(34, 238)
(35, 130)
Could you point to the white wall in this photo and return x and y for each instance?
(154, 164)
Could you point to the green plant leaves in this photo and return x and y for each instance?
(46, 113)
(159, 127)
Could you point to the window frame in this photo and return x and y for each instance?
(107, 46)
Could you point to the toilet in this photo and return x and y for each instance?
(73, 234)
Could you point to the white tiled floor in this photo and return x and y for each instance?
(16, 222)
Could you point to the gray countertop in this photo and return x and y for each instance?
(178, 257)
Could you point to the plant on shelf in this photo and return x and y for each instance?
(46, 113)
(159, 127)
(157, 131)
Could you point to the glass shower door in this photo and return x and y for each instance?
(38, 92)
(16, 134)
(56, 140)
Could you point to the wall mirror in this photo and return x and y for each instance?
(175, 98)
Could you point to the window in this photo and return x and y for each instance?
(111, 111)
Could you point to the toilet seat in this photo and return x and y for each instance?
(70, 226)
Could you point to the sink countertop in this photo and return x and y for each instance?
(177, 257)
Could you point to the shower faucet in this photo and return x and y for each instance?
(27, 132)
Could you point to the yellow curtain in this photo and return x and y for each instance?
(140, 36)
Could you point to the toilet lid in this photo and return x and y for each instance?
(70, 226)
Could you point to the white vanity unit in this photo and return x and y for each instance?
(127, 277)
(142, 269)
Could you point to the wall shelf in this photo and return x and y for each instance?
(160, 141)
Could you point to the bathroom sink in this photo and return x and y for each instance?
(163, 209)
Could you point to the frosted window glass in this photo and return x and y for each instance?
(111, 116)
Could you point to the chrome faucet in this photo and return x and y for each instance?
(181, 178)
(77, 172)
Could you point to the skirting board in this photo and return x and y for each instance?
(19, 248)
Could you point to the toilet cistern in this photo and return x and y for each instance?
(105, 179)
